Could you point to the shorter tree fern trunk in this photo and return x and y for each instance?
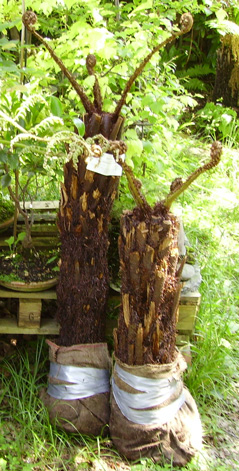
(151, 287)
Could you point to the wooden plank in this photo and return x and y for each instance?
(48, 327)
(183, 344)
(29, 313)
(41, 205)
(182, 340)
(44, 228)
(190, 298)
(39, 217)
(47, 294)
(187, 317)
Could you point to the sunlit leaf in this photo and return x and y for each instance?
(79, 125)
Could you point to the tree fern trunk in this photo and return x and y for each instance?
(86, 202)
(151, 287)
(226, 82)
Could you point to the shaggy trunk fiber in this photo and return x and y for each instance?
(152, 414)
(226, 82)
(86, 201)
(85, 207)
(150, 293)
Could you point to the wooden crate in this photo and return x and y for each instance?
(28, 317)
(29, 313)
(188, 309)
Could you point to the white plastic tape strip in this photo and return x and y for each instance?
(84, 382)
(105, 165)
(152, 393)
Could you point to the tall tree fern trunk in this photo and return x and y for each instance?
(86, 201)
(151, 287)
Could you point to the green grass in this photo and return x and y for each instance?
(210, 213)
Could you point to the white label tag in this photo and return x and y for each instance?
(105, 165)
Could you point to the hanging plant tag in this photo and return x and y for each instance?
(105, 165)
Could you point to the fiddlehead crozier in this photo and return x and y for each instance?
(180, 187)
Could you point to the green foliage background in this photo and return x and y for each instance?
(164, 121)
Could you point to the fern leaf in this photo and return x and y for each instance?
(46, 123)
(8, 119)
(224, 27)
(195, 84)
(24, 137)
(196, 71)
(27, 104)
(31, 149)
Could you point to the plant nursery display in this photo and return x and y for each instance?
(150, 276)
(114, 188)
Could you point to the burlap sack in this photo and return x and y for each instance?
(90, 414)
(178, 439)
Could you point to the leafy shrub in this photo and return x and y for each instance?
(218, 122)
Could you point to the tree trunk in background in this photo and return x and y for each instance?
(227, 78)
(151, 287)
(86, 202)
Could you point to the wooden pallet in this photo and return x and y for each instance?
(28, 317)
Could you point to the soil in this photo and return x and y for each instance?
(33, 267)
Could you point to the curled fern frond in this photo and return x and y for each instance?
(180, 187)
(29, 19)
(135, 187)
(77, 146)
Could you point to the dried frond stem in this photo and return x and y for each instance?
(135, 187)
(186, 24)
(29, 18)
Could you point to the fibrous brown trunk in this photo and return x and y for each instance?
(226, 84)
(86, 201)
(83, 222)
(151, 287)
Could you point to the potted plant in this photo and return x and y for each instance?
(26, 127)
(87, 194)
(151, 411)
